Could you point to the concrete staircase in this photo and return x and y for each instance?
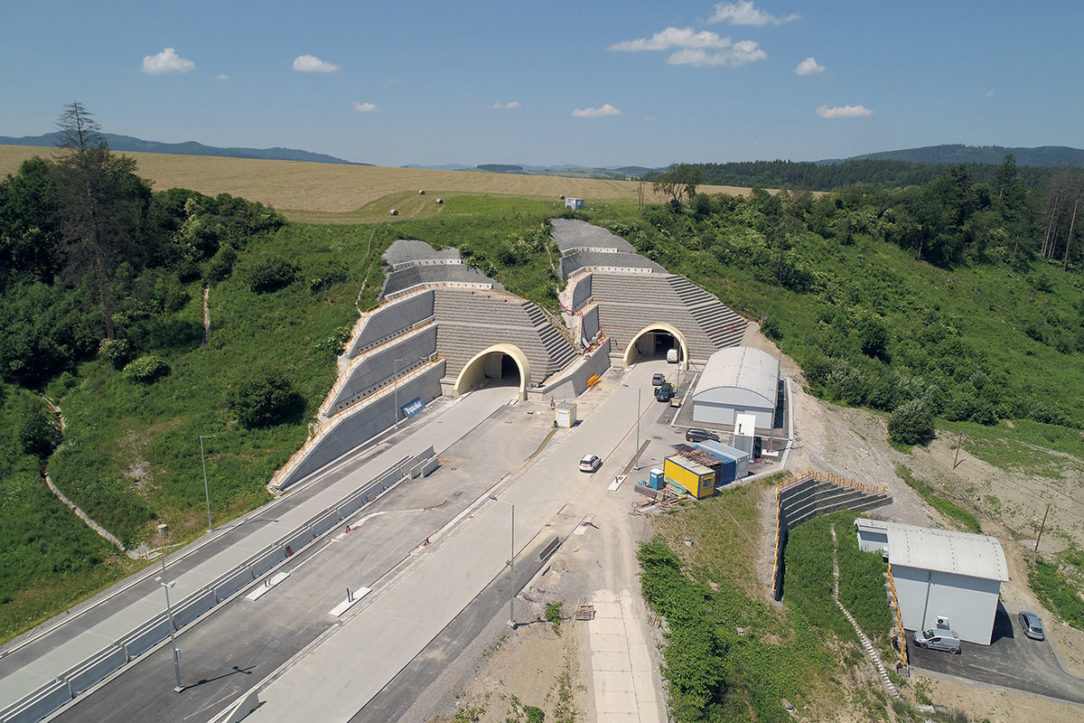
(630, 302)
(468, 322)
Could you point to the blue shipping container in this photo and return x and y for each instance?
(727, 471)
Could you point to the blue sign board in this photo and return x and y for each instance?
(412, 407)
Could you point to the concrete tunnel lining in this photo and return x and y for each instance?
(474, 371)
(631, 351)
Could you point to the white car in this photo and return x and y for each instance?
(590, 463)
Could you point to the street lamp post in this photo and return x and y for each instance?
(636, 460)
(511, 564)
(166, 585)
(206, 489)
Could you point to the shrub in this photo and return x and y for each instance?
(911, 423)
(146, 369)
(36, 428)
(221, 265)
(117, 351)
(263, 400)
(270, 275)
(771, 329)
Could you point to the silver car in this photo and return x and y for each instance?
(938, 640)
(1032, 625)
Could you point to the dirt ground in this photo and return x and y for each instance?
(829, 438)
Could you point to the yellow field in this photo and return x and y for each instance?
(328, 192)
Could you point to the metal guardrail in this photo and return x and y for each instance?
(47, 698)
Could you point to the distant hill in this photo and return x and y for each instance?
(188, 148)
(1043, 156)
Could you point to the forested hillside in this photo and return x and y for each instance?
(874, 174)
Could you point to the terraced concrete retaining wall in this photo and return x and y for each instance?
(391, 319)
(574, 383)
(810, 494)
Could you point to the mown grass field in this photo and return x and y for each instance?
(318, 192)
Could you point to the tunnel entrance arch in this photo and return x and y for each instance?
(500, 364)
(653, 341)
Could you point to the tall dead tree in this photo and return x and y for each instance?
(98, 212)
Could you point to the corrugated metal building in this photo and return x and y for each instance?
(737, 380)
(941, 575)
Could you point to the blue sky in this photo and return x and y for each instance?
(594, 83)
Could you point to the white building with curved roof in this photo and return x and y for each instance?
(737, 380)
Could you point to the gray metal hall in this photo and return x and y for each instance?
(944, 579)
(737, 380)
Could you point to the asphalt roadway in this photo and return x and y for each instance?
(46, 653)
(352, 665)
(1011, 661)
(243, 641)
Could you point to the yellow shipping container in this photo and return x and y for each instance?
(696, 478)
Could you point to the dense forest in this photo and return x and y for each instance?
(873, 174)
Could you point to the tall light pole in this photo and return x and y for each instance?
(636, 460)
(166, 585)
(206, 489)
(511, 564)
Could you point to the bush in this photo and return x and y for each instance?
(911, 423)
(221, 265)
(36, 428)
(146, 369)
(270, 275)
(771, 329)
(264, 400)
(117, 351)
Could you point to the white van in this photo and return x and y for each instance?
(672, 355)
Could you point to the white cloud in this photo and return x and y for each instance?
(510, 105)
(600, 112)
(366, 107)
(743, 53)
(743, 13)
(312, 64)
(674, 38)
(989, 94)
(844, 111)
(809, 66)
(166, 62)
(222, 76)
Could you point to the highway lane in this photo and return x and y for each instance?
(25, 665)
(353, 664)
(245, 640)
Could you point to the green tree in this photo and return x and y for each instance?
(911, 423)
(265, 399)
(270, 275)
(36, 427)
(678, 182)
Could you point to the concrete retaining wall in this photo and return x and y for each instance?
(579, 291)
(232, 582)
(574, 383)
(91, 671)
(38, 704)
(381, 365)
(147, 636)
(390, 319)
(193, 606)
(589, 324)
(264, 561)
(808, 499)
(362, 424)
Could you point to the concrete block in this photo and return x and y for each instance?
(325, 522)
(38, 704)
(264, 561)
(193, 606)
(297, 541)
(145, 637)
(232, 582)
(431, 466)
(91, 670)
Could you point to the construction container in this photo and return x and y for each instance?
(655, 479)
(726, 470)
(697, 479)
(722, 451)
(564, 415)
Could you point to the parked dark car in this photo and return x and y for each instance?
(1032, 625)
(664, 392)
(699, 435)
(657, 379)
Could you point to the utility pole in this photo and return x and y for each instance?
(956, 460)
(166, 585)
(1042, 527)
